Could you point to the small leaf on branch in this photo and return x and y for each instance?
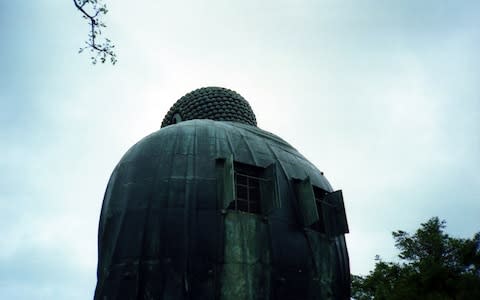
(90, 10)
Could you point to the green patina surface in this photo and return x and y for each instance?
(166, 231)
(322, 273)
(246, 270)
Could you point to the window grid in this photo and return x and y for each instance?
(247, 193)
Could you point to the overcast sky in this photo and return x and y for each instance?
(383, 96)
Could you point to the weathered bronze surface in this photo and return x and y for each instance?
(168, 231)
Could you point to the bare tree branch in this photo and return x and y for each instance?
(100, 51)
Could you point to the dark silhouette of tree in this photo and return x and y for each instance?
(92, 11)
(432, 265)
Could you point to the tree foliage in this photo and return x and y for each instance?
(100, 49)
(432, 265)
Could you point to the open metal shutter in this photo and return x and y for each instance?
(334, 214)
(226, 181)
(270, 199)
(306, 202)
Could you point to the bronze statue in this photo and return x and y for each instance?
(212, 207)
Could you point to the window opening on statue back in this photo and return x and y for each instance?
(248, 181)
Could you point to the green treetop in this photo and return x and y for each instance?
(432, 265)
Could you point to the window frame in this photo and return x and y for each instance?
(252, 185)
(264, 186)
(319, 209)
